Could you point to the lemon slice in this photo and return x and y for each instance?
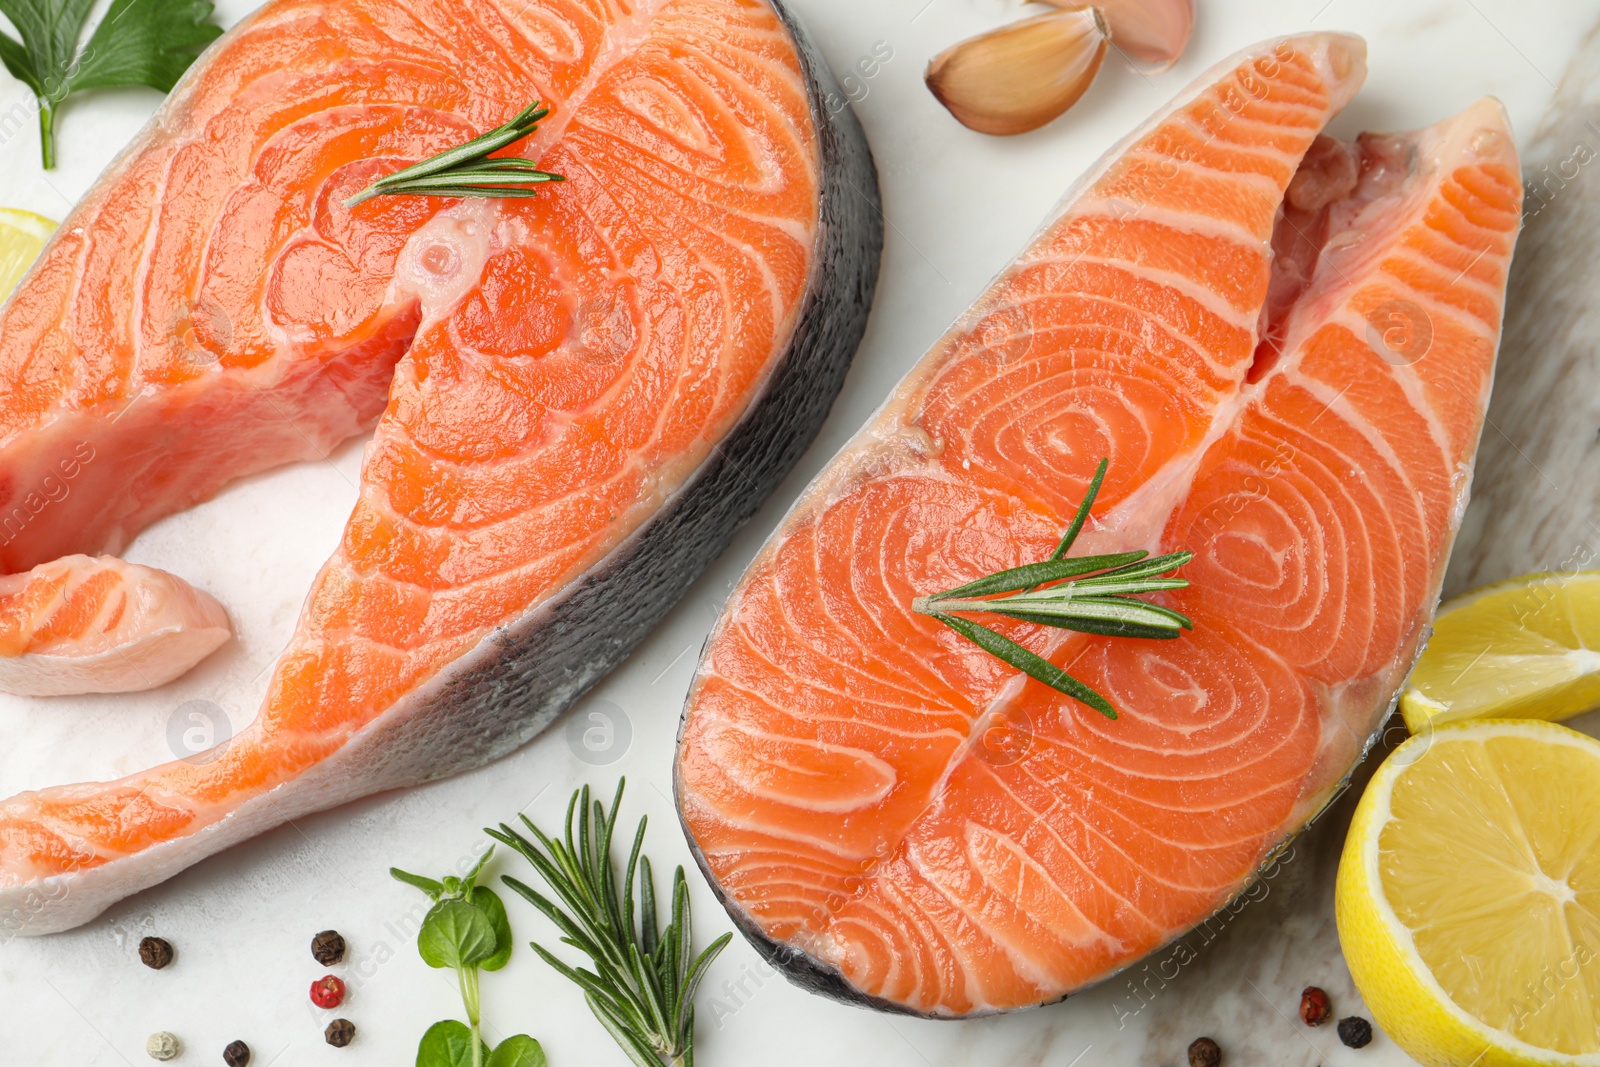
(1528, 648)
(1468, 897)
(22, 236)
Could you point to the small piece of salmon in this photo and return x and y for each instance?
(1284, 344)
(100, 625)
(578, 397)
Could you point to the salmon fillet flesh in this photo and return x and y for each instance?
(1284, 344)
(578, 398)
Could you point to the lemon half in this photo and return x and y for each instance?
(1468, 896)
(22, 236)
(1528, 648)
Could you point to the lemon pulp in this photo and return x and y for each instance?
(1468, 900)
(22, 236)
(1525, 648)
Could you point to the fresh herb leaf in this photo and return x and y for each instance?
(645, 977)
(519, 1050)
(427, 885)
(1095, 595)
(471, 169)
(1028, 662)
(145, 42)
(1082, 514)
(449, 1044)
(488, 901)
(139, 43)
(456, 934)
(468, 931)
(471, 878)
(1032, 574)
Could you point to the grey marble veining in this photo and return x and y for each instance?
(958, 208)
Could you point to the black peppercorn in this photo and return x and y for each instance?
(156, 952)
(1203, 1052)
(328, 947)
(237, 1054)
(340, 1033)
(1355, 1031)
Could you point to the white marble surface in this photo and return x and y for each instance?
(959, 206)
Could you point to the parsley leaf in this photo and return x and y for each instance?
(139, 42)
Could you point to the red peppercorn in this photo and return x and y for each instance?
(327, 992)
(1314, 1007)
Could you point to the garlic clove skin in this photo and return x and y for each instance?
(1151, 31)
(1021, 76)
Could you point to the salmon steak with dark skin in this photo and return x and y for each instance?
(575, 399)
(1284, 345)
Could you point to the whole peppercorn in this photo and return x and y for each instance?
(163, 1046)
(327, 992)
(1314, 1006)
(340, 1033)
(156, 952)
(1355, 1031)
(237, 1054)
(1203, 1052)
(328, 947)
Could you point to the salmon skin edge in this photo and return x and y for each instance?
(519, 678)
(813, 975)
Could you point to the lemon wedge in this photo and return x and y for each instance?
(1468, 896)
(22, 236)
(1528, 648)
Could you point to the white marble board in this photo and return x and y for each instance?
(959, 206)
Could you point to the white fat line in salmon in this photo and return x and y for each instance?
(1151, 979)
(1148, 174)
(1216, 518)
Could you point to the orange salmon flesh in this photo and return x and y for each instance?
(576, 396)
(1285, 345)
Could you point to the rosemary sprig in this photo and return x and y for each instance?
(644, 978)
(467, 170)
(1097, 596)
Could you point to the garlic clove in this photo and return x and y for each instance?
(1021, 76)
(1152, 31)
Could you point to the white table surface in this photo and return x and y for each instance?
(959, 206)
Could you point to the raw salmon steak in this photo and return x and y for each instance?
(1284, 345)
(578, 397)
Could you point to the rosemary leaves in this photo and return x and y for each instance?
(644, 978)
(469, 170)
(1095, 595)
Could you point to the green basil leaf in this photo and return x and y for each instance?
(447, 1044)
(49, 30)
(489, 902)
(427, 885)
(17, 60)
(456, 934)
(519, 1050)
(472, 876)
(144, 42)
